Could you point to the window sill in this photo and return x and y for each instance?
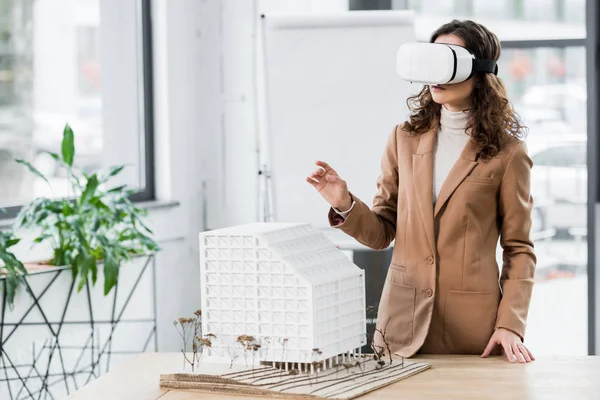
(157, 204)
(148, 205)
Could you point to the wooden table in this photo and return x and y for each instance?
(452, 377)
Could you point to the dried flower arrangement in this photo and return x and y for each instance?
(190, 331)
(247, 342)
(265, 344)
(380, 352)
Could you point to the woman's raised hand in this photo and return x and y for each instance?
(329, 184)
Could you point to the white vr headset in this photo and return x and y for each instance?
(438, 63)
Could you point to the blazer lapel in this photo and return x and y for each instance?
(423, 181)
(463, 166)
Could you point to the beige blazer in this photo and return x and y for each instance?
(443, 292)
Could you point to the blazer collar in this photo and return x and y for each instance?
(461, 168)
(423, 181)
(423, 161)
(428, 140)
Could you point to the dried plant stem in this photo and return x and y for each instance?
(283, 342)
(265, 343)
(185, 358)
(191, 326)
(387, 345)
(233, 356)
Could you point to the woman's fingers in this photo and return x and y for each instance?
(530, 353)
(513, 347)
(517, 351)
(319, 172)
(332, 178)
(509, 352)
(526, 352)
(311, 181)
(324, 165)
(489, 348)
(324, 171)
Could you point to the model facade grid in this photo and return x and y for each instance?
(287, 286)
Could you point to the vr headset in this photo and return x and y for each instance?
(438, 63)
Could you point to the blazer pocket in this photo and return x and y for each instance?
(469, 319)
(396, 312)
(398, 267)
(478, 186)
(480, 179)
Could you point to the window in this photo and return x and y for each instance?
(566, 155)
(86, 65)
(527, 11)
(549, 157)
(543, 67)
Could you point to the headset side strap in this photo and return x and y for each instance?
(485, 66)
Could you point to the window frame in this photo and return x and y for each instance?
(148, 193)
(593, 107)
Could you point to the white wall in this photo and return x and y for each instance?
(205, 133)
(185, 79)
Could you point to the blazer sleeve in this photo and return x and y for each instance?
(518, 260)
(375, 226)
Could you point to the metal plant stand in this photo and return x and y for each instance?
(50, 348)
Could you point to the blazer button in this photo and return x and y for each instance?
(428, 292)
(430, 260)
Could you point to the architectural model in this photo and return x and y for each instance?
(287, 289)
(341, 383)
(282, 316)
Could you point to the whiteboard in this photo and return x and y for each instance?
(331, 93)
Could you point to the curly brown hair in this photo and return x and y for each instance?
(492, 118)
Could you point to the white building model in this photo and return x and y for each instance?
(288, 287)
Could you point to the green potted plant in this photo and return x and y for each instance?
(11, 269)
(98, 226)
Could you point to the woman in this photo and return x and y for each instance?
(455, 177)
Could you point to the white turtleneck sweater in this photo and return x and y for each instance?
(451, 140)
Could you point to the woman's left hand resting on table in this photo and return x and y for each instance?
(513, 346)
